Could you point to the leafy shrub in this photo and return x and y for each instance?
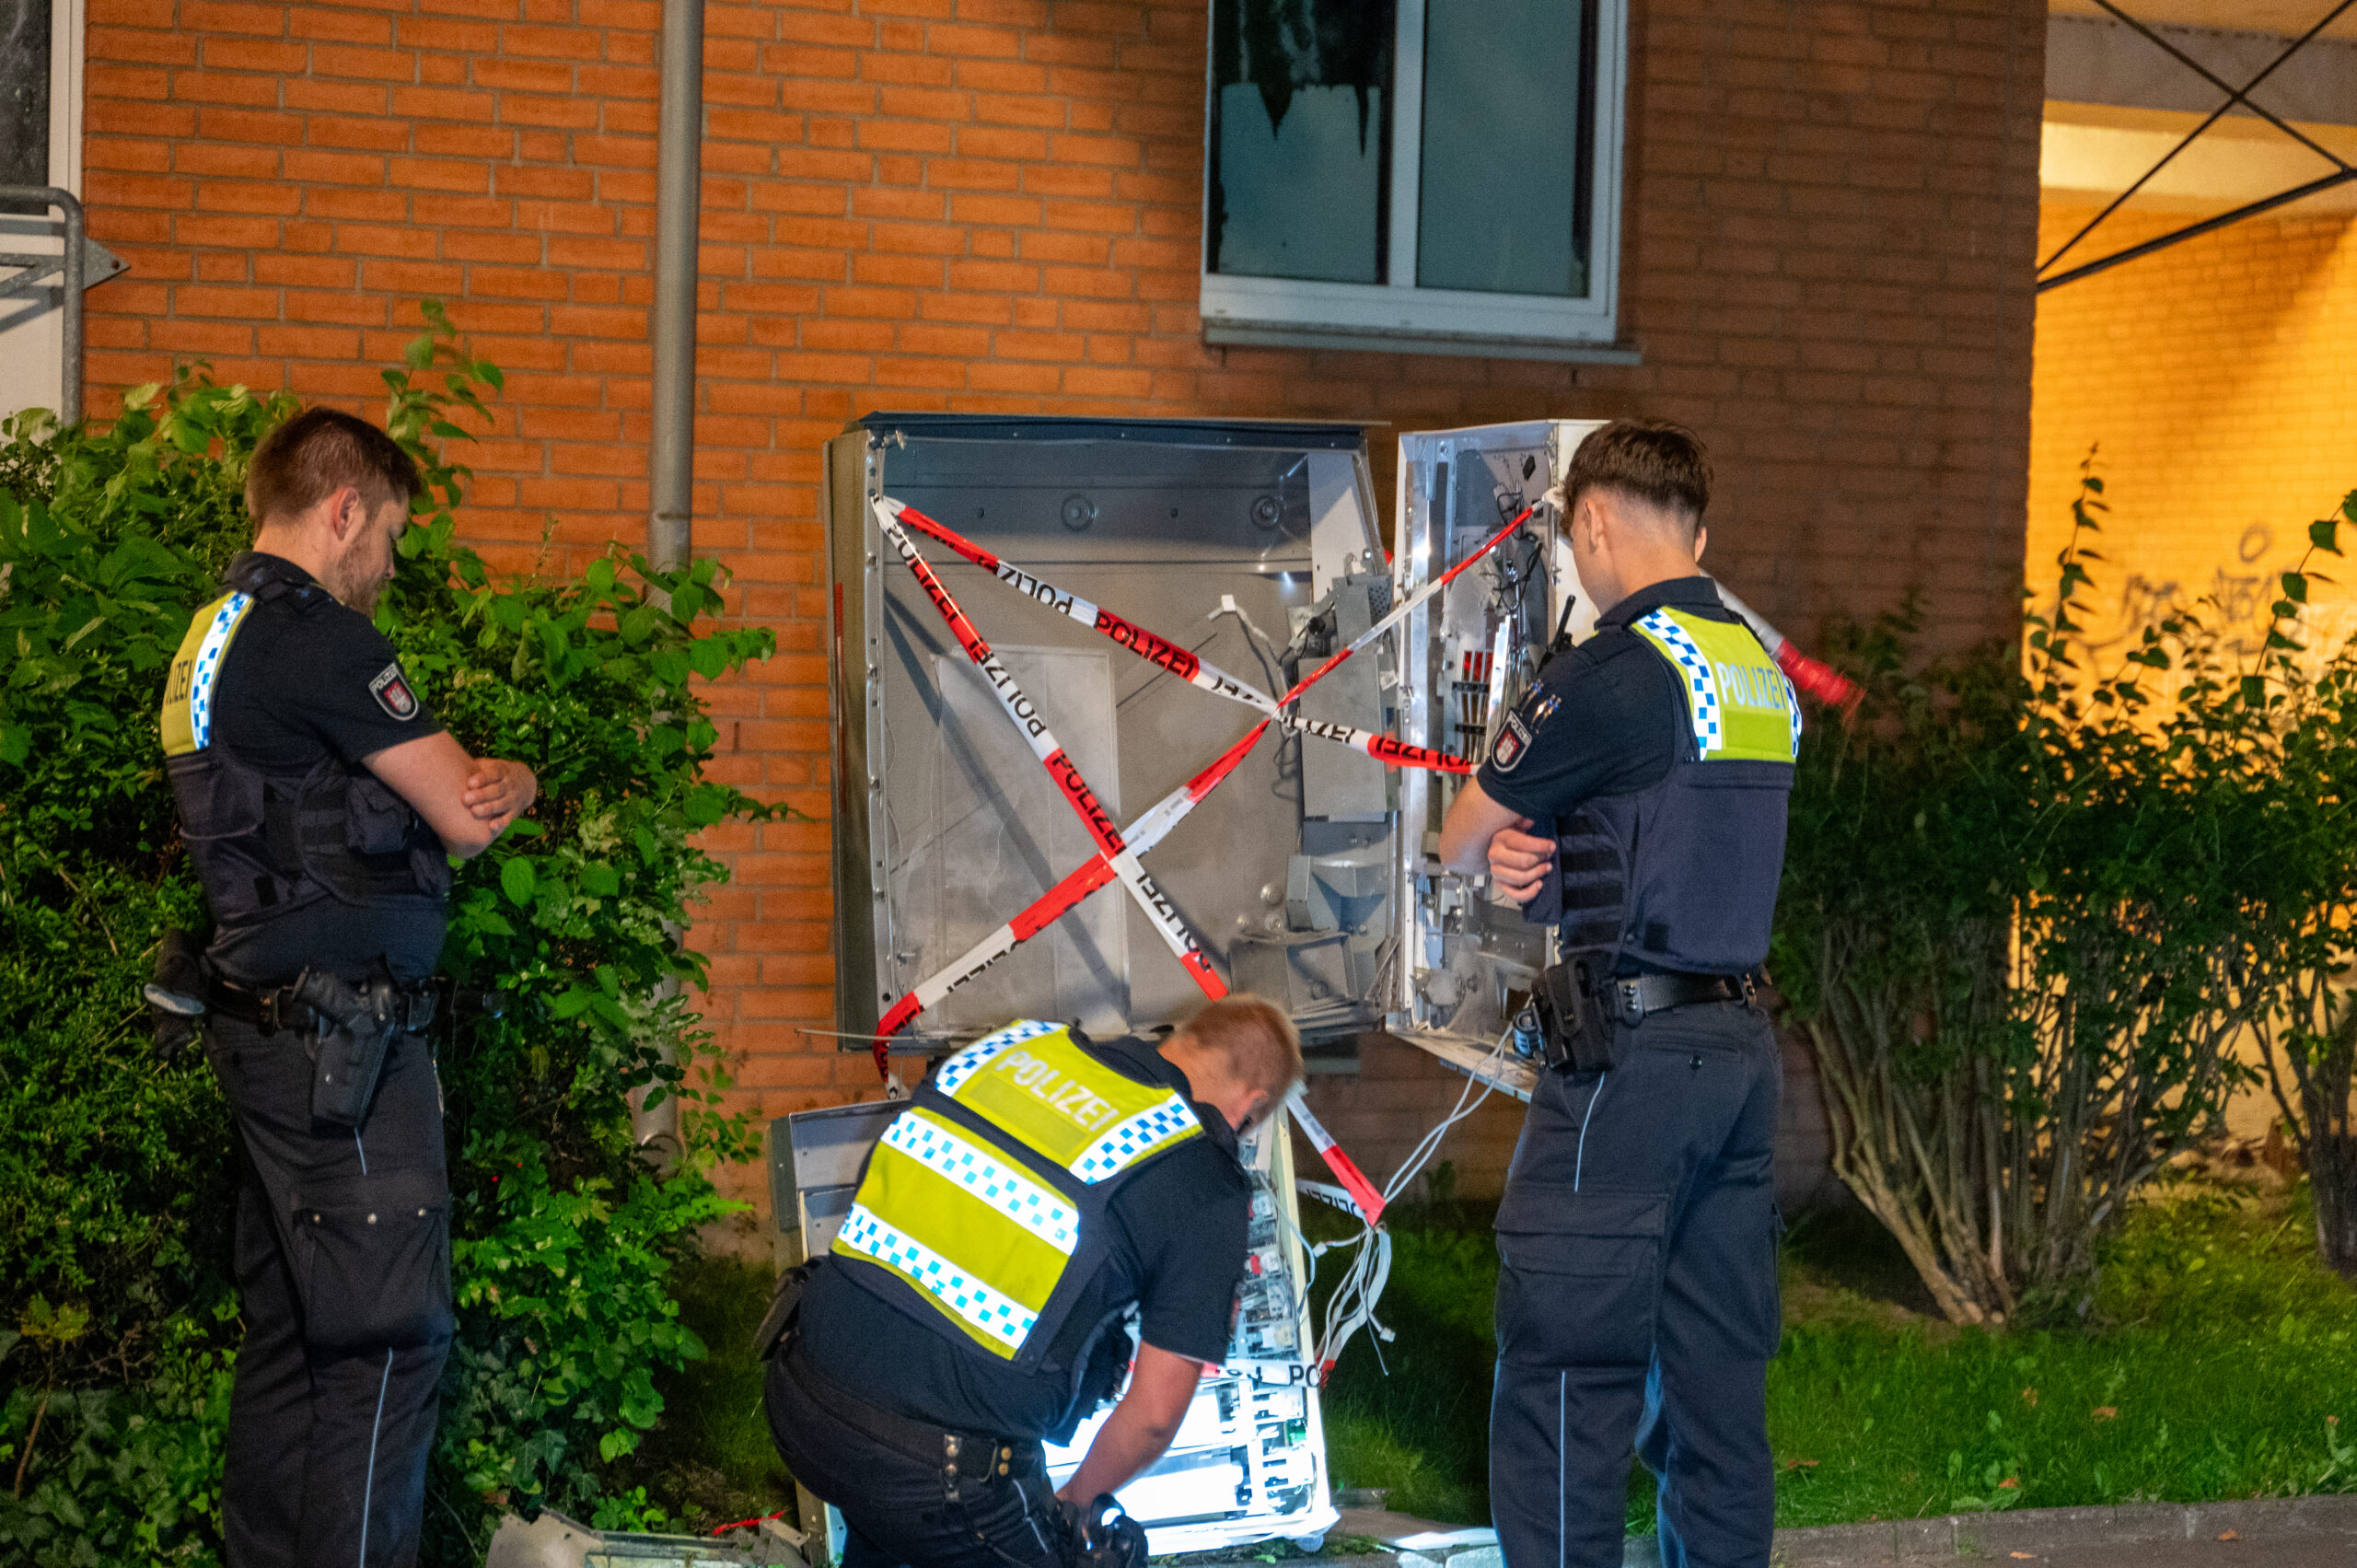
(115, 1175)
(2029, 910)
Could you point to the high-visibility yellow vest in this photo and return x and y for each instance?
(983, 1205)
(1741, 706)
(1683, 875)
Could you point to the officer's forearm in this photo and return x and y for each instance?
(1472, 821)
(1128, 1442)
(1162, 1385)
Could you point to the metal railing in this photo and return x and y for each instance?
(39, 268)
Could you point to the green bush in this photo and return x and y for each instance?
(115, 1172)
(2029, 907)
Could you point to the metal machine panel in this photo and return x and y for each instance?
(1202, 532)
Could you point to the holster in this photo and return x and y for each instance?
(355, 1025)
(785, 1306)
(1576, 1017)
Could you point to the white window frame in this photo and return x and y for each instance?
(32, 337)
(1398, 316)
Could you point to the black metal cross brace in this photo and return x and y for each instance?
(2344, 171)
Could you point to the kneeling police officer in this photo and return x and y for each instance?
(1636, 797)
(1035, 1190)
(320, 802)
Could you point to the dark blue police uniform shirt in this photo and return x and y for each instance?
(1607, 718)
(302, 682)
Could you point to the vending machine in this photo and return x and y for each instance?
(1144, 594)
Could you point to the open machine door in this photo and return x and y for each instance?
(1466, 957)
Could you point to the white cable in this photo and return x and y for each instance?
(1352, 1305)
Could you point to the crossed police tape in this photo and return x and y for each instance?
(1117, 852)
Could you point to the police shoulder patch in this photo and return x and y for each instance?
(1513, 742)
(392, 694)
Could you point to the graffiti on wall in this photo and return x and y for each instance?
(2236, 597)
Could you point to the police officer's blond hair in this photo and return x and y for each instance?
(1253, 1037)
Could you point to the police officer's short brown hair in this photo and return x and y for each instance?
(1650, 460)
(318, 452)
(1254, 1036)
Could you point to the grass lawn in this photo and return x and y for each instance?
(711, 1460)
(2219, 1361)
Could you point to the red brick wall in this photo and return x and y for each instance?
(995, 205)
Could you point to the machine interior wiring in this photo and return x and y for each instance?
(1352, 1305)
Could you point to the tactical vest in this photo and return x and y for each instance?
(1683, 875)
(983, 1206)
(266, 848)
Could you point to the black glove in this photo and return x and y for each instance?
(1103, 1534)
(176, 995)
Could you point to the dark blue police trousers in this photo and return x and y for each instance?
(1637, 1302)
(901, 1507)
(344, 1271)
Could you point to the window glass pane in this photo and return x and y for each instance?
(1301, 139)
(1502, 188)
(24, 92)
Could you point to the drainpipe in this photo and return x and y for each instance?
(678, 181)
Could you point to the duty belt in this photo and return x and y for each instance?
(273, 1008)
(1635, 998)
(975, 1456)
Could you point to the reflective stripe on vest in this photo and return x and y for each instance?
(985, 1240)
(998, 1323)
(196, 670)
(1741, 706)
(1053, 1097)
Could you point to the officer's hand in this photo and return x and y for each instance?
(1519, 861)
(498, 790)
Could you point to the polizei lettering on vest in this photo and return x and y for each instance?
(1751, 685)
(1066, 1097)
(1100, 826)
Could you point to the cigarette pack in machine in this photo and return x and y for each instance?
(1063, 655)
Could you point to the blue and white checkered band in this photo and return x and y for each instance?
(1702, 683)
(1001, 1317)
(1792, 707)
(1132, 1139)
(208, 665)
(936, 1146)
(968, 1062)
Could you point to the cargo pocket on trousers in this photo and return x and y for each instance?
(1579, 1275)
(373, 1257)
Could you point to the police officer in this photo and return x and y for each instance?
(1035, 1190)
(320, 802)
(1636, 796)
